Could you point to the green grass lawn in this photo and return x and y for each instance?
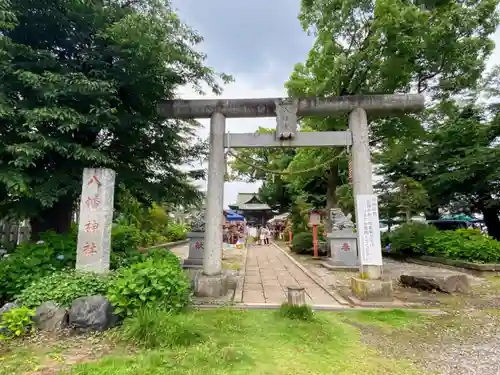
(222, 342)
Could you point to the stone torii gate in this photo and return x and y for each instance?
(359, 107)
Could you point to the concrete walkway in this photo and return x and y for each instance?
(269, 272)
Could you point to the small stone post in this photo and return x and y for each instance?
(96, 216)
(296, 296)
(196, 242)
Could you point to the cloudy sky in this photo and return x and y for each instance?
(258, 42)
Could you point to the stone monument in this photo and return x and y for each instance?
(196, 242)
(343, 242)
(96, 216)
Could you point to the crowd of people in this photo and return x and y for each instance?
(232, 233)
(237, 232)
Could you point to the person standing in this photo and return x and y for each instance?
(267, 233)
(260, 235)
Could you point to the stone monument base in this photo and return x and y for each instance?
(211, 286)
(192, 263)
(196, 250)
(338, 266)
(372, 290)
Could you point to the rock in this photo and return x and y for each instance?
(7, 307)
(50, 317)
(93, 313)
(444, 282)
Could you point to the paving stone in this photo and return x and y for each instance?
(269, 272)
(253, 297)
(252, 286)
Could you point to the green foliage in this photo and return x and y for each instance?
(464, 244)
(410, 238)
(94, 102)
(302, 243)
(63, 288)
(152, 283)
(16, 322)
(165, 255)
(153, 328)
(126, 241)
(31, 261)
(303, 312)
(385, 239)
(299, 215)
(176, 232)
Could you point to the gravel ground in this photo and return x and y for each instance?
(465, 342)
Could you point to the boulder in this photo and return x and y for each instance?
(444, 282)
(7, 307)
(50, 317)
(94, 313)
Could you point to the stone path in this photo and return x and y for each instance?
(182, 251)
(269, 272)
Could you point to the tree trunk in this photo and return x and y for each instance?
(408, 215)
(491, 220)
(57, 218)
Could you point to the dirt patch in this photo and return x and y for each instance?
(482, 288)
(465, 341)
(48, 354)
(232, 259)
(456, 344)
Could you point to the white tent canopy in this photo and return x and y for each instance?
(281, 217)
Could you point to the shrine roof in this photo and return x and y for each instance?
(254, 207)
(244, 198)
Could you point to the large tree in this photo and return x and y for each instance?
(80, 83)
(386, 46)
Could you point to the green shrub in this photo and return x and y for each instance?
(126, 240)
(16, 322)
(409, 238)
(154, 328)
(31, 261)
(302, 243)
(385, 239)
(63, 287)
(464, 244)
(152, 283)
(176, 232)
(303, 312)
(164, 255)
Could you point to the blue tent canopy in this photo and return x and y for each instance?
(234, 217)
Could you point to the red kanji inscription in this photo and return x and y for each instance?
(93, 201)
(94, 179)
(198, 245)
(91, 226)
(89, 249)
(346, 247)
